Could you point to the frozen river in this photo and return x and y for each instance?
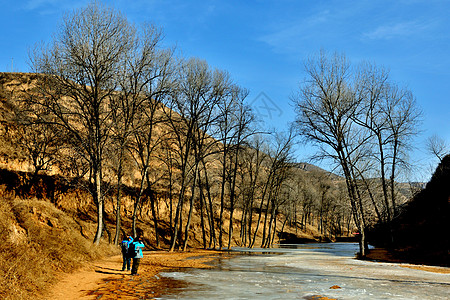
(303, 271)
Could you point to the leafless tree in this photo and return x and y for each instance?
(278, 158)
(37, 139)
(437, 147)
(354, 115)
(242, 119)
(404, 117)
(391, 115)
(371, 86)
(82, 65)
(156, 83)
(325, 106)
(145, 82)
(251, 173)
(233, 127)
(191, 116)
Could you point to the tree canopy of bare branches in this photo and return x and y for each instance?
(355, 115)
(95, 55)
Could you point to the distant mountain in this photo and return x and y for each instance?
(313, 168)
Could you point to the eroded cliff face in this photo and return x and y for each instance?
(421, 232)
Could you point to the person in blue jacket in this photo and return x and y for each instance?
(124, 245)
(136, 247)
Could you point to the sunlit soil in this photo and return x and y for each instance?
(105, 280)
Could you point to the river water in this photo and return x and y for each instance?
(304, 271)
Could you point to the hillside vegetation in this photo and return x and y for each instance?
(316, 186)
(50, 219)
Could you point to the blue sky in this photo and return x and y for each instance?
(263, 45)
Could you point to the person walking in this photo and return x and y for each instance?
(135, 251)
(125, 245)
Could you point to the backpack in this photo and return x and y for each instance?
(124, 247)
(132, 250)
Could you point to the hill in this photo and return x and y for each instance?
(421, 231)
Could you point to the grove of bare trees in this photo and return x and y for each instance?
(115, 109)
(364, 123)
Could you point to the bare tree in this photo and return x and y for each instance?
(371, 86)
(355, 115)
(233, 128)
(391, 115)
(191, 116)
(144, 83)
(251, 171)
(437, 147)
(243, 119)
(36, 138)
(82, 66)
(155, 82)
(325, 106)
(277, 158)
(404, 118)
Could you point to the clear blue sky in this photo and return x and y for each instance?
(263, 44)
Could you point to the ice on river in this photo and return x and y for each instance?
(302, 271)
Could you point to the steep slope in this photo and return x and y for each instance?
(421, 233)
(38, 242)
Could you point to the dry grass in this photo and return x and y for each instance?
(39, 242)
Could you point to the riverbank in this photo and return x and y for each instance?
(383, 255)
(104, 279)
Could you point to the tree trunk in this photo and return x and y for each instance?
(222, 197)
(394, 164)
(177, 225)
(202, 218)
(99, 200)
(191, 208)
(118, 217)
(212, 230)
(252, 242)
(232, 197)
(282, 228)
(118, 200)
(153, 208)
(383, 180)
(265, 220)
(359, 219)
(177, 218)
(138, 201)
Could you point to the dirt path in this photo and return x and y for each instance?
(105, 280)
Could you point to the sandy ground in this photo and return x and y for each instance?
(105, 280)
